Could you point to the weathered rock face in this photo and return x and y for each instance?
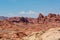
(40, 18)
(41, 15)
(51, 15)
(34, 36)
(14, 19)
(11, 35)
(22, 19)
(18, 19)
(51, 34)
(50, 18)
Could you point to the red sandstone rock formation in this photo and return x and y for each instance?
(32, 24)
(40, 18)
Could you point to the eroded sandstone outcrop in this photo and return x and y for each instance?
(24, 26)
(51, 34)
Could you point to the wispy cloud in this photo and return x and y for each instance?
(29, 13)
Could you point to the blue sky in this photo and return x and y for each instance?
(28, 8)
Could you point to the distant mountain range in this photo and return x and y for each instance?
(2, 17)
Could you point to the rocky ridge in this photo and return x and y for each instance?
(19, 27)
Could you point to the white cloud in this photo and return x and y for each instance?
(22, 12)
(27, 12)
(31, 12)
